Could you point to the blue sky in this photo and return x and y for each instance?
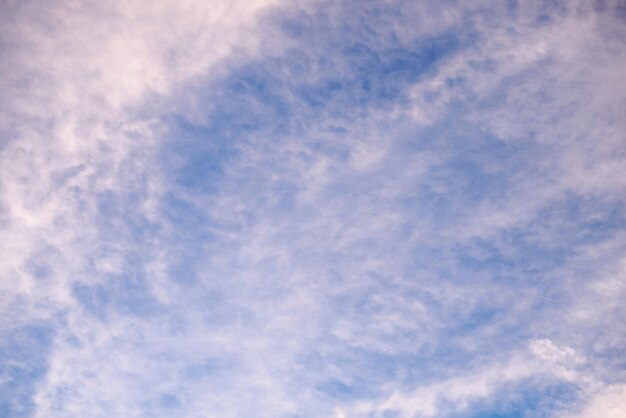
(339, 209)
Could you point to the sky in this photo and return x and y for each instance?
(312, 208)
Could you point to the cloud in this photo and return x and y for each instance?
(76, 176)
(311, 209)
(543, 362)
(609, 403)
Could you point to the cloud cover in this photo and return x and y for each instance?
(342, 209)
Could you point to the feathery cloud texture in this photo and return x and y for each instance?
(312, 209)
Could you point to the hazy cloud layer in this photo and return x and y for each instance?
(312, 209)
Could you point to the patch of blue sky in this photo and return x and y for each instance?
(123, 295)
(265, 97)
(118, 216)
(24, 349)
(331, 68)
(526, 399)
(349, 71)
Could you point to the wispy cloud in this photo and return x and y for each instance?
(348, 209)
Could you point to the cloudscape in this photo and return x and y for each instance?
(313, 208)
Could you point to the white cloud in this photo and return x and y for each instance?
(608, 403)
(336, 250)
(83, 82)
(469, 386)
